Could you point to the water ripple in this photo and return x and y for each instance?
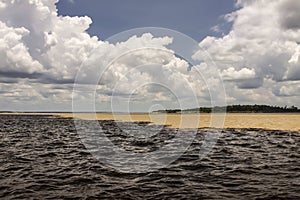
(42, 157)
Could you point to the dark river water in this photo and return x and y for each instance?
(43, 157)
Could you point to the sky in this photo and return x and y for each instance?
(249, 48)
(194, 18)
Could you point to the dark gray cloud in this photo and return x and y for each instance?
(16, 75)
(250, 83)
(290, 14)
(294, 72)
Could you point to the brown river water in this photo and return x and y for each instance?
(282, 121)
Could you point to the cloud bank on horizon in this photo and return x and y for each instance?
(41, 53)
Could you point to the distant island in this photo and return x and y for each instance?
(236, 109)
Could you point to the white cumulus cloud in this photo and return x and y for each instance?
(49, 49)
(264, 36)
(232, 74)
(262, 47)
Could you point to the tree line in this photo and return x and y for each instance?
(237, 109)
